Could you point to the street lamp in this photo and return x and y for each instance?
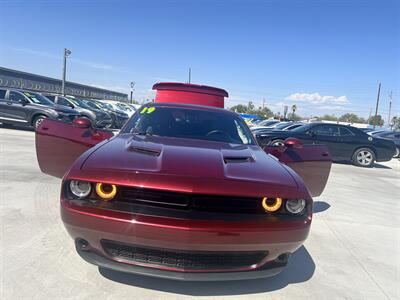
(66, 54)
(132, 89)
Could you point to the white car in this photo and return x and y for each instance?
(121, 106)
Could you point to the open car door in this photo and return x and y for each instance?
(59, 144)
(310, 162)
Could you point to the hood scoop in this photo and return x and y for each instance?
(146, 151)
(238, 159)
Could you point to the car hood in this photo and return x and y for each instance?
(58, 108)
(187, 159)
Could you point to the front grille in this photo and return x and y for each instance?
(183, 201)
(183, 259)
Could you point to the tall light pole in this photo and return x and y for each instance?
(132, 89)
(66, 54)
(390, 107)
(377, 104)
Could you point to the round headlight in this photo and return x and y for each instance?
(80, 188)
(106, 191)
(295, 206)
(271, 204)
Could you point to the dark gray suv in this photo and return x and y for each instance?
(18, 107)
(99, 118)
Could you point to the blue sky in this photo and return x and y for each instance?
(323, 56)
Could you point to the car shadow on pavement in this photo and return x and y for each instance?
(300, 268)
(375, 165)
(16, 127)
(320, 206)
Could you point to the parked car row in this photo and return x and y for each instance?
(346, 143)
(20, 107)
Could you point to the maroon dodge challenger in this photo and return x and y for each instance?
(183, 192)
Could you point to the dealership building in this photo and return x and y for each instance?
(21, 80)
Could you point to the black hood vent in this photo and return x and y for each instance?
(146, 151)
(238, 159)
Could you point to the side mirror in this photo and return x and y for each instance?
(293, 143)
(82, 123)
(71, 105)
(24, 102)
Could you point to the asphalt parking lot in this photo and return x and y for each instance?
(353, 251)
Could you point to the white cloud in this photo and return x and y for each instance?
(316, 98)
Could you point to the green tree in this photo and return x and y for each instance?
(264, 112)
(294, 117)
(240, 109)
(351, 118)
(377, 121)
(327, 118)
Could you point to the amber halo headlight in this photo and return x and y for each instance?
(295, 206)
(79, 188)
(271, 204)
(106, 191)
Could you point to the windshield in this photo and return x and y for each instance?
(38, 98)
(124, 107)
(189, 123)
(267, 122)
(79, 103)
(102, 105)
(281, 125)
(95, 104)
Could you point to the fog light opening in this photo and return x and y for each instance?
(283, 258)
(83, 244)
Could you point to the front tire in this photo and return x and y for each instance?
(277, 143)
(364, 157)
(38, 120)
(397, 153)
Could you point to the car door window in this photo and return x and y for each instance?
(345, 132)
(17, 97)
(2, 94)
(326, 130)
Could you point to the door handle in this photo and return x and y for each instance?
(324, 153)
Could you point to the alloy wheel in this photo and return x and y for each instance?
(277, 143)
(38, 122)
(365, 158)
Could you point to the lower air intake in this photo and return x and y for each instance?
(181, 259)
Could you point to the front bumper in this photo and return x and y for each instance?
(103, 123)
(120, 121)
(94, 258)
(277, 238)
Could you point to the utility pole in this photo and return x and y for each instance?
(390, 106)
(190, 75)
(377, 103)
(263, 103)
(66, 54)
(132, 89)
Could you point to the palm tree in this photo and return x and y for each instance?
(294, 108)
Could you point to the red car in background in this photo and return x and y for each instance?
(183, 192)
